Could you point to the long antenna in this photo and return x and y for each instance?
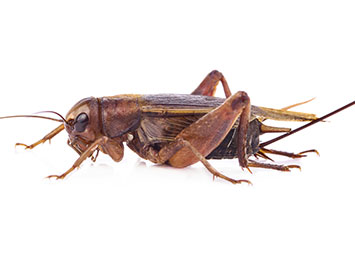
(306, 125)
(56, 113)
(42, 117)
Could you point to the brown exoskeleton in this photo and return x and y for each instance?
(178, 130)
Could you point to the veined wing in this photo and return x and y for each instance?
(165, 115)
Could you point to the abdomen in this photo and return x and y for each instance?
(228, 148)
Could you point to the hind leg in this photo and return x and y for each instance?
(199, 139)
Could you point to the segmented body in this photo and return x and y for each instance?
(163, 117)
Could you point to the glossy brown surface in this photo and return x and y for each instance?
(176, 129)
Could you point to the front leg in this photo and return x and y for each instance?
(47, 137)
(84, 155)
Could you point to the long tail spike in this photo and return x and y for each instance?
(307, 125)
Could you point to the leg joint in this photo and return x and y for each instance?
(241, 99)
(215, 74)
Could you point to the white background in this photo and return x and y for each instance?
(53, 53)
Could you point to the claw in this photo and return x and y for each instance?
(242, 181)
(25, 145)
(57, 177)
(263, 155)
(310, 151)
(233, 181)
(294, 166)
(61, 177)
(94, 157)
(249, 170)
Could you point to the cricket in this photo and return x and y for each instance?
(178, 129)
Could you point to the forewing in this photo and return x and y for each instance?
(164, 129)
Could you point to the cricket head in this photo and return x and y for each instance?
(82, 124)
(103, 123)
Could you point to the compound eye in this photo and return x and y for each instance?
(81, 122)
